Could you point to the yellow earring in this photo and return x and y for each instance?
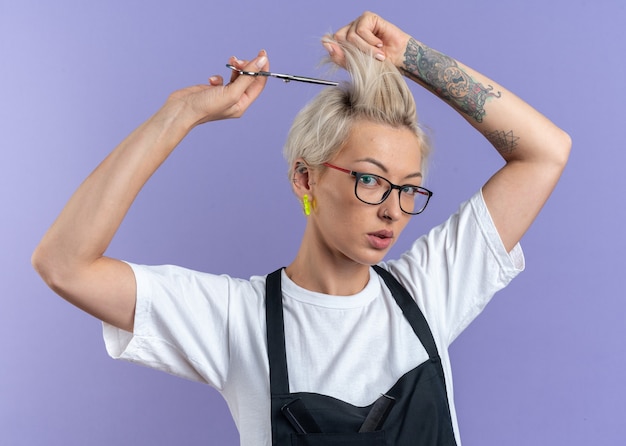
(306, 205)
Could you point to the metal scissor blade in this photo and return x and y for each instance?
(291, 77)
(284, 77)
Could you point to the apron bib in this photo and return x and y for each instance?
(413, 412)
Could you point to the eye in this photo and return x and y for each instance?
(368, 180)
(411, 190)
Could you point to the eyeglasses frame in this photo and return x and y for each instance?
(358, 175)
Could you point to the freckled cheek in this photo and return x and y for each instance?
(335, 200)
(347, 207)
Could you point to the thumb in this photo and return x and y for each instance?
(248, 67)
(245, 88)
(335, 53)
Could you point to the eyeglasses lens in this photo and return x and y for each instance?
(372, 189)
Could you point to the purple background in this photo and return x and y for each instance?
(544, 364)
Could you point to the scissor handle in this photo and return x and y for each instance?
(247, 73)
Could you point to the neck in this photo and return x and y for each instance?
(316, 269)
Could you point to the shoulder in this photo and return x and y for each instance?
(464, 238)
(182, 277)
(455, 269)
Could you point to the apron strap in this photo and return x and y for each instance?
(411, 312)
(276, 352)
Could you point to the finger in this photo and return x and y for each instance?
(363, 36)
(216, 81)
(365, 33)
(335, 52)
(346, 34)
(260, 63)
(245, 89)
(238, 64)
(341, 33)
(370, 28)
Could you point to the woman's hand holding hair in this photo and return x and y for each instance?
(534, 149)
(371, 34)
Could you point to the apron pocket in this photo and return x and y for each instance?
(376, 438)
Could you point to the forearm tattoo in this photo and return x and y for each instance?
(445, 78)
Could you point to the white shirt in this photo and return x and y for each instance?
(212, 328)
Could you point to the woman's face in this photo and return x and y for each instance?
(348, 228)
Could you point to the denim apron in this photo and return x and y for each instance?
(413, 412)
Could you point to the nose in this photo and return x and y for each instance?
(390, 208)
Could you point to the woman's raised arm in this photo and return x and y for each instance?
(70, 257)
(535, 150)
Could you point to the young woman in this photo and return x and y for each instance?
(303, 355)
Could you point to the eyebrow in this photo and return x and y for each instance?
(382, 167)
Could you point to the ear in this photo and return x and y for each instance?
(302, 178)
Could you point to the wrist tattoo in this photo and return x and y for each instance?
(447, 80)
(504, 142)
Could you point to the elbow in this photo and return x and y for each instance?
(47, 267)
(553, 152)
(556, 161)
(42, 265)
(563, 148)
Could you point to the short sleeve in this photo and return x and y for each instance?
(181, 324)
(454, 270)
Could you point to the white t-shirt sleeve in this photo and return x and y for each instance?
(454, 270)
(181, 324)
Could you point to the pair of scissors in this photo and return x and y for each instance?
(284, 77)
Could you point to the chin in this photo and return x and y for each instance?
(373, 258)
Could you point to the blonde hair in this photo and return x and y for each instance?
(376, 92)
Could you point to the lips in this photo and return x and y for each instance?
(380, 239)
